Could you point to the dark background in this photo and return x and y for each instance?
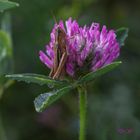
(113, 99)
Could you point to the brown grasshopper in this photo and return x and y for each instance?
(60, 54)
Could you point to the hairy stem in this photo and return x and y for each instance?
(82, 107)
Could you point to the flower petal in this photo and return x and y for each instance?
(45, 59)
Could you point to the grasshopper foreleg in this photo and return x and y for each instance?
(61, 66)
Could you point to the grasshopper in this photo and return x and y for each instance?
(60, 54)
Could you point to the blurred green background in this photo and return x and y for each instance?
(113, 100)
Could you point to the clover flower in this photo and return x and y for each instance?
(93, 47)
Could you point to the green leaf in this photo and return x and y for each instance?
(5, 4)
(38, 79)
(122, 34)
(6, 61)
(92, 75)
(6, 55)
(44, 100)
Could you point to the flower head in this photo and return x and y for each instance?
(91, 46)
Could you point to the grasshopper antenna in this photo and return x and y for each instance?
(54, 18)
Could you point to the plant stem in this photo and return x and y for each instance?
(82, 108)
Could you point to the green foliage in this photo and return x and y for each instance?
(122, 34)
(5, 4)
(5, 53)
(46, 99)
(38, 79)
(93, 75)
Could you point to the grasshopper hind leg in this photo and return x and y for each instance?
(51, 73)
